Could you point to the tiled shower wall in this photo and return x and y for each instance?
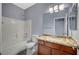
(12, 29)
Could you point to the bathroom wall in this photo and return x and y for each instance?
(35, 13)
(0, 27)
(13, 29)
(49, 20)
(12, 11)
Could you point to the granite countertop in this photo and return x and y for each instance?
(60, 40)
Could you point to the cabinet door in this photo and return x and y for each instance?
(43, 50)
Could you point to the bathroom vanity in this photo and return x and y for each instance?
(56, 45)
(48, 48)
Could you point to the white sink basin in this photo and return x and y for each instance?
(30, 44)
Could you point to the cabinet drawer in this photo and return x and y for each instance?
(43, 50)
(52, 45)
(58, 52)
(69, 49)
(40, 42)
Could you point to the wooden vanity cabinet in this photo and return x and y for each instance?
(48, 48)
(44, 50)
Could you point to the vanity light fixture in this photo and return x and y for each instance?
(56, 8)
(51, 10)
(61, 7)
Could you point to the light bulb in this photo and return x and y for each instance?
(61, 7)
(51, 10)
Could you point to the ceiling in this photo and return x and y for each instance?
(24, 5)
